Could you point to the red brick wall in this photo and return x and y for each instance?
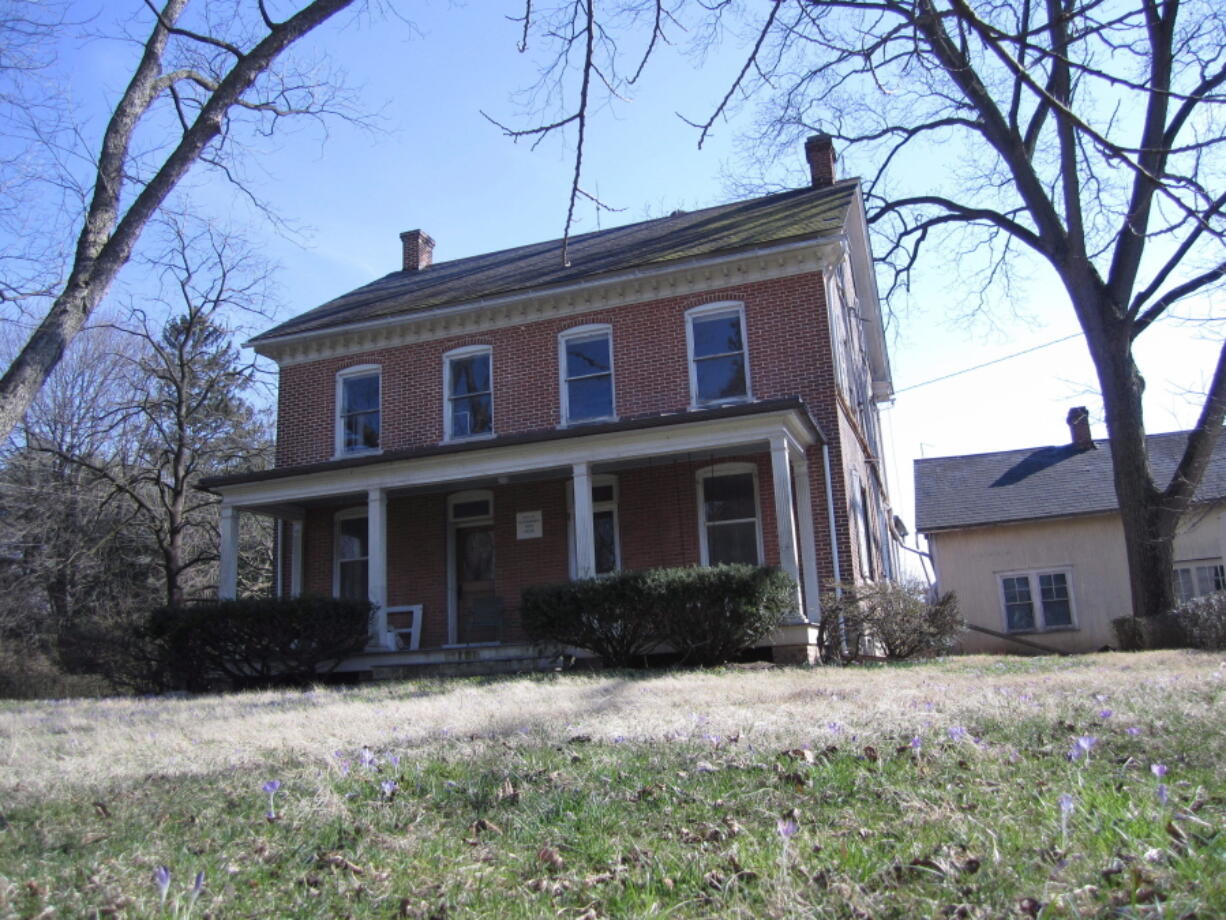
(789, 355)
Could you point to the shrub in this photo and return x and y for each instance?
(897, 617)
(1197, 623)
(707, 615)
(255, 639)
(611, 616)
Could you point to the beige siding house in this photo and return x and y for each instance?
(1031, 541)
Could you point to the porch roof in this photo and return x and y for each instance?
(712, 420)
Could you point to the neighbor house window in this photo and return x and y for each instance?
(604, 526)
(1035, 601)
(1196, 579)
(358, 416)
(719, 369)
(350, 579)
(586, 360)
(470, 398)
(729, 521)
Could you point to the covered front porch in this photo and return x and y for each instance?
(443, 539)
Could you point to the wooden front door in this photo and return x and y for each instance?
(478, 614)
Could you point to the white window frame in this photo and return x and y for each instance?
(348, 514)
(709, 311)
(728, 469)
(583, 333)
(466, 351)
(611, 505)
(349, 373)
(1036, 599)
(1192, 567)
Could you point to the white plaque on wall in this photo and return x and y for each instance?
(527, 525)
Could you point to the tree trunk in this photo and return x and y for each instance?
(1148, 519)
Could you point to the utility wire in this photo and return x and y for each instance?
(967, 370)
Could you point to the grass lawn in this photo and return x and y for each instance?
(970, 787)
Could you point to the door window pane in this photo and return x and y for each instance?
(604, 524)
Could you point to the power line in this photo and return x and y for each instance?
(977, 367)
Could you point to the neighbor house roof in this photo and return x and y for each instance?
(1040, 482)
(743, 225)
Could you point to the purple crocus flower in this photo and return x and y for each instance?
(1163, 794)
(916, 743)
(956, 733)
(161, 878)
(1067, 804)
(1158, 769)
(787, 828)
(1104, 713)
(388, 786)
(272, 786)
(1133, 730)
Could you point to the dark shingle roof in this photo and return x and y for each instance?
(1040, 482)
(793, 215)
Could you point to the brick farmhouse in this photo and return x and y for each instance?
(695, 389)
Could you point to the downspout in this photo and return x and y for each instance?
(834, 544)
(279, 545)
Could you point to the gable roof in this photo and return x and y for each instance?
(729, 228)
(1041, 482)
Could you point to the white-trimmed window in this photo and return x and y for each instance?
(468, 383)
(585, 361)
(1037, 601)
(357, 409)
(351, 552)
(605, 531)
(1198, 578)
(719, 359)
(729, 519)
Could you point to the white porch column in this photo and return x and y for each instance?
(808, 538)
(376, 565)
(227, 581)
(784, 523)
(585, 534)
(295, 554)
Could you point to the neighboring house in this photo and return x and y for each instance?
(696, 389)
(1032, 543)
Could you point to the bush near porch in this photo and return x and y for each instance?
(707, 615)
(257, 640)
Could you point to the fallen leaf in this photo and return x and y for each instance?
(484, 826)
(550, 857)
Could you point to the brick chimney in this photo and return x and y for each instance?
(819, 151)
(1079, 428)
(418, 250)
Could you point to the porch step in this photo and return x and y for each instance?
(473, 668)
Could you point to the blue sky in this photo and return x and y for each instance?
(437, 164)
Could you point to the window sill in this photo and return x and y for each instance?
(1042, 632)
(579, 423)
(471, 645)
(470, 437)
(367, 452)
(716, 403)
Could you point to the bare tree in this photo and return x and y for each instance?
(188, 413)
(1088, 134)
(198, 71)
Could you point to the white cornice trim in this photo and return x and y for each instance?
(646, 283)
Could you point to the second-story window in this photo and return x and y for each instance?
(470, 397)
(358, 423)
(587, 374)
(719, 370)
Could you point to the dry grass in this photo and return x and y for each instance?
(61, 745)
